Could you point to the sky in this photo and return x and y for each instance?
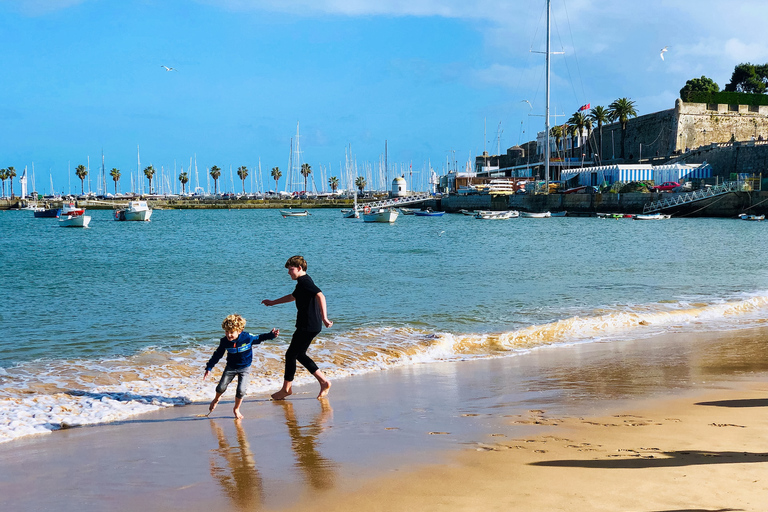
(439, 81)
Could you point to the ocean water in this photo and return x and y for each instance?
(100, 324)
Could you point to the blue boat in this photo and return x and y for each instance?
(48, 213)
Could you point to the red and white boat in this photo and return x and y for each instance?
(73, 217)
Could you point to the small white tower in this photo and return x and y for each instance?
(399, 187)
(23, 182)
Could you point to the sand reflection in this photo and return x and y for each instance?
(319, 472)
(237, 475)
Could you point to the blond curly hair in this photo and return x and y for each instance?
(233, 323)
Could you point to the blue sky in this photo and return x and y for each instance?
(82, 76)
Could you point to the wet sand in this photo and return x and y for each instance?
(678, 422)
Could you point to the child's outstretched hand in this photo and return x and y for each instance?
(205, 375)
(276, 332)
(268, 302)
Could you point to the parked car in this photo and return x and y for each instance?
(667, 186)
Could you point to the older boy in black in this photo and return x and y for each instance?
(311, 314)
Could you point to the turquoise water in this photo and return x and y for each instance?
(134, 309)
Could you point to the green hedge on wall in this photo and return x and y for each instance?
(728, 98)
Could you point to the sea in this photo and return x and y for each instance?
(106, 323)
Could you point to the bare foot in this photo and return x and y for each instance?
(325, 387)
(238, 416)
(214, 402)
(280, 395)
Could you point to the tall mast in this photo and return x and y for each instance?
(546, 115)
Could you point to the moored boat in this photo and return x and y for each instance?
(559, 214)
(652, 216)
(427, 213)
(135, 210)
(48, 213)
(386, 215)
(406, 211)
(745, 216)
(294, 213)
(493, 215)
(535, 215)
(74, 218)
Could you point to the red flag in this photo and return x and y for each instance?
(585, 107)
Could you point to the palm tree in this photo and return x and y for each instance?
(333, 182)
(81, 173)
(557, 133)
(276, 174)
(599, 114)
(306, 170)
(242, 171)
(115, 173)
(578, 122)
(184, 179)
(215, 173)
(3, 177)
(149, 172)
(621, 110)
(588, 125)
(11, 174)
(360, 183)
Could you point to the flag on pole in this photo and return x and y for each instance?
(584, 107)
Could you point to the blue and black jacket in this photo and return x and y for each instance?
(239, 352)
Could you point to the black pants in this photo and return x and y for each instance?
(297, 351)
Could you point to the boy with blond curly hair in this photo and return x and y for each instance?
(238, 346)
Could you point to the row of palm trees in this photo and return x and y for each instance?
(149, 172)
(619, 110)
(5, 174)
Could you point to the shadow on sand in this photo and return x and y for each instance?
(749, 402)
(662, 460)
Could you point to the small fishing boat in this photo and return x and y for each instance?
(745, 216)
(350, 214)
(559, 214)
(136, 210)
(535, 215)
(427, 213)
(492, 215)
(468, 213)
(48, 213)
(386, 215)
(72, 217)
(652, 216)
(294, 213)
(407, 211)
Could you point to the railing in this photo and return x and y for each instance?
(691, 197)
(397, 201)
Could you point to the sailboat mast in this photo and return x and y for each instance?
(546, 115)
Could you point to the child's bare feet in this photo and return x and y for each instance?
(238, 416)
(280, 395)
(214, 402)
(325, 387)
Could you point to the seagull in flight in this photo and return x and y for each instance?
(528, 102)
(665, 49)
(167, 68)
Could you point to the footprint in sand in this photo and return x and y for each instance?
(726, 425)
(469, 415)
(439, 433)
(391, 428)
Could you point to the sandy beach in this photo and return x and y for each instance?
(677, 422)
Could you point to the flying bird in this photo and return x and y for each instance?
(528, 102)
(167, 68)
(665, 49)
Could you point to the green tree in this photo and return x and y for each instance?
(149, 172)
(11, 174)
(215, 173)
(276, 175)
(557, 132)
(333, 182)
(184, 179)
(115, 173)
(81, 172)
(621, 110)
(702, 84)
(360, 183)
(578, 122)
(242, 172)
(599, 115)
(306, 170)
(3, 177)
(749, 78)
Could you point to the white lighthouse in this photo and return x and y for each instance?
(399, 187)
